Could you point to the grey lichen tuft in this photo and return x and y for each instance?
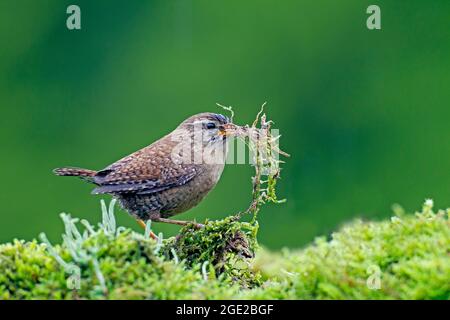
(74, 242)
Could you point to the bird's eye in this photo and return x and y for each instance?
(210, 125)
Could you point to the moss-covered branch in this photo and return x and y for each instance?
(406, 257)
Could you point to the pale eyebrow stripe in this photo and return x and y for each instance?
(199, 122)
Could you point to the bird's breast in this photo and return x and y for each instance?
(185, 197)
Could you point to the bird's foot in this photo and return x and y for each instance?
(143, 225)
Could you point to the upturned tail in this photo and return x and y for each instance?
(75, 172)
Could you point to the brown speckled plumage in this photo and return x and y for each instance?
(154, 182)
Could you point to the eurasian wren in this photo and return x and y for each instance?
(170, 176)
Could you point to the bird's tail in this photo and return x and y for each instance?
(75, 172)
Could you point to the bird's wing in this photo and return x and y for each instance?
(148, 170)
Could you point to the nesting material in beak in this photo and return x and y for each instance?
(227, 130)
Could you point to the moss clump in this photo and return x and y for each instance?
(103, 263)
(406, 257)
(128, 266)
(225, 245)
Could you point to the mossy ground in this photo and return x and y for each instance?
(406, 257)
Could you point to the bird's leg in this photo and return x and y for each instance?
(143, 225)
(177, 222)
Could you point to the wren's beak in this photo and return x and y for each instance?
(227, 130)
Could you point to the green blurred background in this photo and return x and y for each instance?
(364, 114)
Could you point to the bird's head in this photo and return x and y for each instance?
(203, 136)
(209, 127)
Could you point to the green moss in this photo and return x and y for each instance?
(409, 254)
(225, 245)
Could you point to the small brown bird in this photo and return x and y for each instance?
(170, 176)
